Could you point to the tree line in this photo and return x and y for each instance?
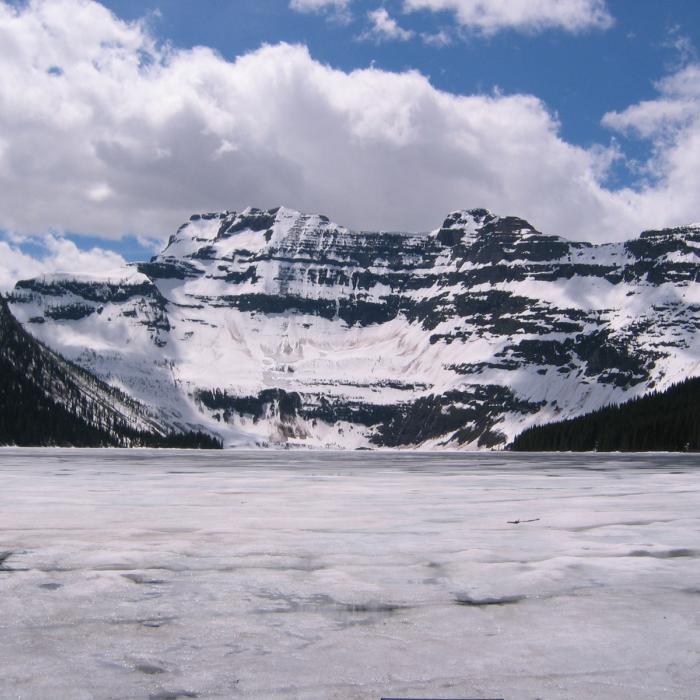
(660, 421)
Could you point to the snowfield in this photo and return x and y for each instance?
(307, 575)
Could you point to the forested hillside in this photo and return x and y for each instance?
(45, 400)
(669, 420)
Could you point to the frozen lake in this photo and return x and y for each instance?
(167, 575)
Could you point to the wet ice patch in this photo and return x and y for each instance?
(149, 669)
(4, 556)
(665, 554)
(485, 602)
(144, 580)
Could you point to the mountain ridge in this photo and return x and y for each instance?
(277, 327)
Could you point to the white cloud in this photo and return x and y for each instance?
(98, 193)
(681, 44)
(491, 16)
(385, 28)
(51, 253)
(672, 124)
(130, 137)
(339, 9)
(673, 111)
(438, 39)
(316, 5)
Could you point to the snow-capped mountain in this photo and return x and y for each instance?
(272, 326)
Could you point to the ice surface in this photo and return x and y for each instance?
(147, 574)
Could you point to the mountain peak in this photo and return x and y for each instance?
(460, 217)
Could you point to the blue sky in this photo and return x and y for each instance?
(115, 126)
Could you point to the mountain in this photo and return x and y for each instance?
(45, 400)
(660, 421)
(277, 327)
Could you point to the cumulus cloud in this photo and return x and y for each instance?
(491, 16)
(50, 253)
(385, 28)
(103, 131)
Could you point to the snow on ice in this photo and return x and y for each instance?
(277, 574)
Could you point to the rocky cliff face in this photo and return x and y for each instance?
(276, 327)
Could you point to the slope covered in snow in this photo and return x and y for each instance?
(277, 327)
(45, 400)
